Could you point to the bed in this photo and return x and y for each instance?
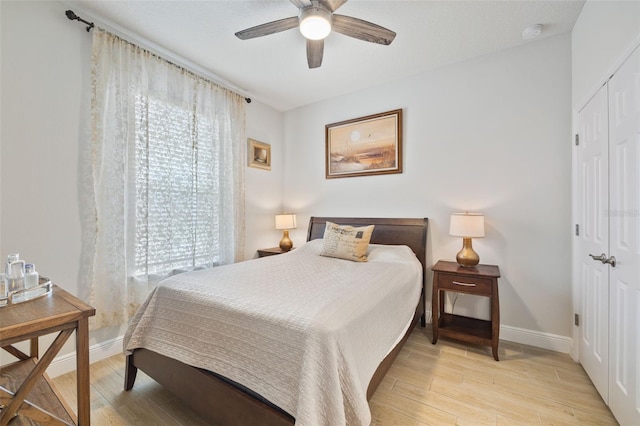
(221, 400)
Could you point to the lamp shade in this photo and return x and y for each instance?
(468, 225)
(286, 221)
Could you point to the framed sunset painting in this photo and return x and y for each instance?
(370, 145)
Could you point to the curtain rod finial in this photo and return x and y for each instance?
(73, 17)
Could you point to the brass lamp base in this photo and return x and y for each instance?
(285, 243)
(466, 257)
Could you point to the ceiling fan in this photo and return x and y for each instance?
(316, 20)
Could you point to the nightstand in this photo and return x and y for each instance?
(270, 251)
(480, 280)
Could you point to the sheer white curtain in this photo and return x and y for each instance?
(167, 164)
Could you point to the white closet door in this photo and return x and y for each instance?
(593, 205)
(624, 154)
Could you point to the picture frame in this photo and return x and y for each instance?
(370, 145)
(258, 154)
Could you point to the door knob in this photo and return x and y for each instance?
(604, 259)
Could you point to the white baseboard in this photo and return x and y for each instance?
(538, 339)
(523, 336)
(103, 350)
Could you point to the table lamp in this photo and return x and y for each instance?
(286, 221)
(467, 225)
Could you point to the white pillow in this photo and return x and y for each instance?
(346, 242)
(389, 253)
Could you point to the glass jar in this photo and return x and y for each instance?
(31, 277)
(14, 273)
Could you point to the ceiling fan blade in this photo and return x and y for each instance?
(301, 3)
(362, 30)
(268, 28)
(315, 49)
(332, 5)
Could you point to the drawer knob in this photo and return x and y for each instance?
(464, 284)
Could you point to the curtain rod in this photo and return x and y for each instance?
(90, 25)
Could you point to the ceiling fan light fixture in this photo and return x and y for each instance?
(315, 22)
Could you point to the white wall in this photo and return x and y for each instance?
(45, 79)
(603, 35)
(491, 135)
(45, 67)
(264, 187)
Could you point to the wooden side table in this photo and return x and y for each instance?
(481, 280)
(60, 312)
(270, 251)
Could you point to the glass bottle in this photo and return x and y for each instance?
(31, 277)
(14, 273)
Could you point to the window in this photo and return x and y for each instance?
(176, 217)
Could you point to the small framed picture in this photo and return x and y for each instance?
(259, 154)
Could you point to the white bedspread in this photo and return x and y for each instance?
(304, 331)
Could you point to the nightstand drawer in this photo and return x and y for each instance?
(270, 251)
(465, 284)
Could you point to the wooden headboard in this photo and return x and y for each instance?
(395, 231)
(411, 232)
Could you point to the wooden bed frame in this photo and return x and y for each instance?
(221, 401)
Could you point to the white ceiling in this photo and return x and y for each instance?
(273, 69)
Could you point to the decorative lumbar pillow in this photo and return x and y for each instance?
(346, 242)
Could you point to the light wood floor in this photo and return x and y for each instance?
(446, 384)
